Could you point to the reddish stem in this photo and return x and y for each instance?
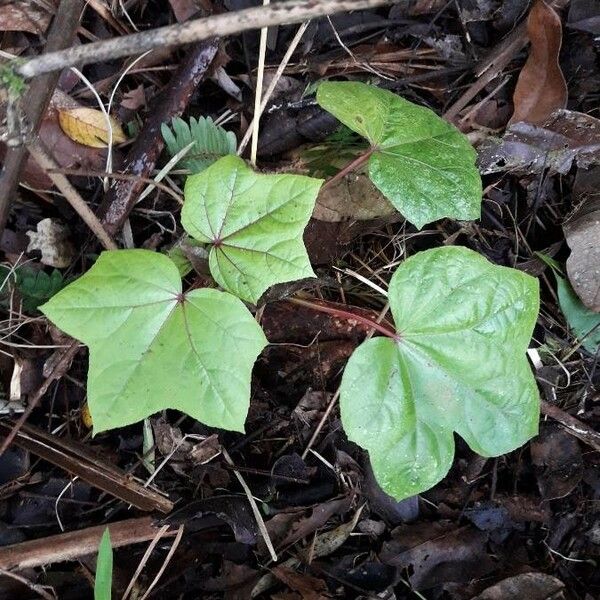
(343, 314)
(351, 166)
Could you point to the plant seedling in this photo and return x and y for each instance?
(455, 363)
(422, 164)
(104, 569)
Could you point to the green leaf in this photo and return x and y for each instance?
(35, 286)
(211, 142)
(458, 364)
(424, 165)
(153, 347)
(584, 323)
(253, 223)
(104, 569)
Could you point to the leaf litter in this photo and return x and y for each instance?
(519, 525)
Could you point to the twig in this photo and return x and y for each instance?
(62, 32)
(58, 370)
(144, 560)
(280, 13)
(165, 563)
(76, 458)
(574, 426)
(46, 162)
(38, 589)
(259, 520)
(75, 544)
(145, 151)
(267, 95)
(258, 91)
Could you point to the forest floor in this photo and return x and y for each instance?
(181, 498)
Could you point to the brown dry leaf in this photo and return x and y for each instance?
(564, 138)
(88, 126)
(541, 87)
(309, 588)
(533, 586)
(352, 198)
(582, 232)
(134, 99)
(24, 15)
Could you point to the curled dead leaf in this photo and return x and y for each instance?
(88, 126)
(564, 138)
(541, 87)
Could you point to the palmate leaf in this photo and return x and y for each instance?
(422, 164)
(459, 364)
(211, 142)
(253, 222)
(152, 347)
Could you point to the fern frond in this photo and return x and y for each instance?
(211, 142)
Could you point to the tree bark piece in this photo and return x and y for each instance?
(281, 13)
(72, 545)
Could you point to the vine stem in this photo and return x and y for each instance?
(350, 167)
(343, 314)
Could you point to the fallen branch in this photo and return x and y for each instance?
(75, 544)
(77, 459)
(281, 13)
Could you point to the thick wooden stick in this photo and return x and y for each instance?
(280, 13)
(72, 545)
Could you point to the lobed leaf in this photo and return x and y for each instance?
(458, 365)
(153, 347)
(253, 223)
(422, 164)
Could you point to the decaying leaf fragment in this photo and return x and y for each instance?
(352, 198)
(52, 240)
(566, 137)
(582, 232)
(24, 15)
(88, 126)
(541, 87)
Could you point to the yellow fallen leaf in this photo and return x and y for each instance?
(86, 416)
(88, 126)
